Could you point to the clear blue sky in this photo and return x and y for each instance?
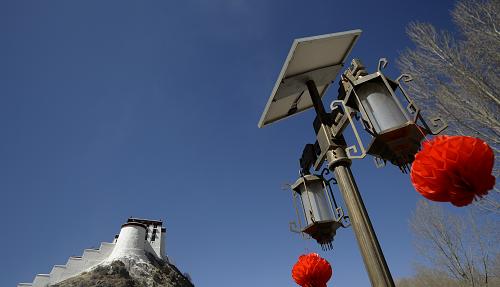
(111, 109)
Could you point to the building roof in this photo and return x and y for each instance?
(145, 221)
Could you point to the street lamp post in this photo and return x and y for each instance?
(339, 163)
(311, 66)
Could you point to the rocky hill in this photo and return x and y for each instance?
(130, 271)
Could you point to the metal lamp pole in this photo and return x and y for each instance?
(310, 67)
(339, 163)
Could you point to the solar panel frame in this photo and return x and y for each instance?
(317, 58)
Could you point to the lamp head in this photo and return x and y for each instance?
(395, 135)
(321, 222)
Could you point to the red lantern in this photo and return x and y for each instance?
(311, 271)
(453, 169)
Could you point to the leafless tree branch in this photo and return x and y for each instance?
(457, 75)
(462, 249)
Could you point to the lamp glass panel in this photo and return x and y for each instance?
(316, 203)
(382, 109)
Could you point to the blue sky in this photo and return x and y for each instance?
(111, 109)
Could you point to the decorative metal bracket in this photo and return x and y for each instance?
(437, 123)
(382, 63)
(405, 77)
(351, 150)
(352, 82)
(324, 173)
(412, 107)
(379, 163)
(339, 215)
(342, 218)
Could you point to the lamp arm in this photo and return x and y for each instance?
(367, 125)
(354, 148)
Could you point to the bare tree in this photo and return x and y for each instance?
(428, 277)
(462, 250)
(457, 75)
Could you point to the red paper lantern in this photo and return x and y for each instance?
(453, 169)
(311, 271)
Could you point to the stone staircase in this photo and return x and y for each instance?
(74, 266)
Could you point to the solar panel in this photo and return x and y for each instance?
(317, 58)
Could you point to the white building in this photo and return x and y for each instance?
(137, 237)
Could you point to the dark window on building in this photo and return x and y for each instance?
(153, 236)
(146, 234)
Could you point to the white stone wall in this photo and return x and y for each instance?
(130, 242)
(154, 240)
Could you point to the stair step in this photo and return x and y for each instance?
(74, 266)
(57, 273)
(41, 280)
(106, 248)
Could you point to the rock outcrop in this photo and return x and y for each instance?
(130, 272)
